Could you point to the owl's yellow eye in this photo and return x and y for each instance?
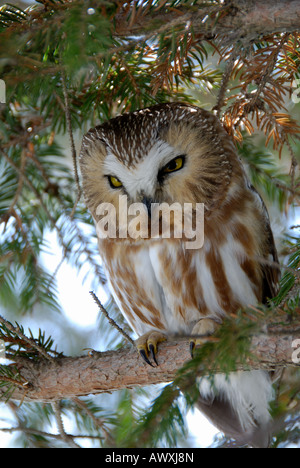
(114, 182)
(174, 165)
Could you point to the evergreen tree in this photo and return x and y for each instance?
(66, 66)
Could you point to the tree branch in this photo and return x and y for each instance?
(239, 20)
(96, 373)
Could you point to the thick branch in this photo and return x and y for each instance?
(104, 372)
(239, 19)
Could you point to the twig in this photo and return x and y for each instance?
(23, 138)
(20, 183)
(30, 341)
(70, 131)
(225, 80)
(271, 263)
(82, 405)
(60, 425)
(11, 210)
(291, 294)
(31, 430)
(265, 76)
(99, 423)
(4, 378)
(275, 181)
(294, 164)
(111, 321)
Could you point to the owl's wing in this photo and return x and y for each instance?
(270, 269)
(219, 408)
(269, 264)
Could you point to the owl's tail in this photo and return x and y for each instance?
(238, 405)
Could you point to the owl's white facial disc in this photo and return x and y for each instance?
(141, 178)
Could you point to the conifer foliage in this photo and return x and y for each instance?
(68, 65)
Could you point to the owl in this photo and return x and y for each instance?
(174, 153)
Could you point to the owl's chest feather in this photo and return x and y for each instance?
(163, 286)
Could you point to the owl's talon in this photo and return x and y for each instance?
(144, 356)
(152, 352)
(205, 327)
(192, 347)
(147, 345)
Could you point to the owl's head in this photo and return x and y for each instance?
(166, 153)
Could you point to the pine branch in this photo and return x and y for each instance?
(98, 422)
(225, 80)
(72, 143)
(70, 377)
(29, 342)
(237, 21)
(60, 425)
(32, 431)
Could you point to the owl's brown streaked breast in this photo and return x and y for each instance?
(161, 285)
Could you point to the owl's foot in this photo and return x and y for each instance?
(147, 345)
(204, 328)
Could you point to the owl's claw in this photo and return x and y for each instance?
(144, 356)
(152, 352)
(192, 347)
(147, 345)
(205, 327)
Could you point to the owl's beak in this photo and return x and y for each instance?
(147, 201)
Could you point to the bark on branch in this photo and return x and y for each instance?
(70, 377)
(241, 20)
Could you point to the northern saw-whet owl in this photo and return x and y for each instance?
(178, 153)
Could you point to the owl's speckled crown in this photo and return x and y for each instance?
(131, 135)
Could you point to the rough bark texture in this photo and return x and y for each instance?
(98, 372)
(241, 20)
